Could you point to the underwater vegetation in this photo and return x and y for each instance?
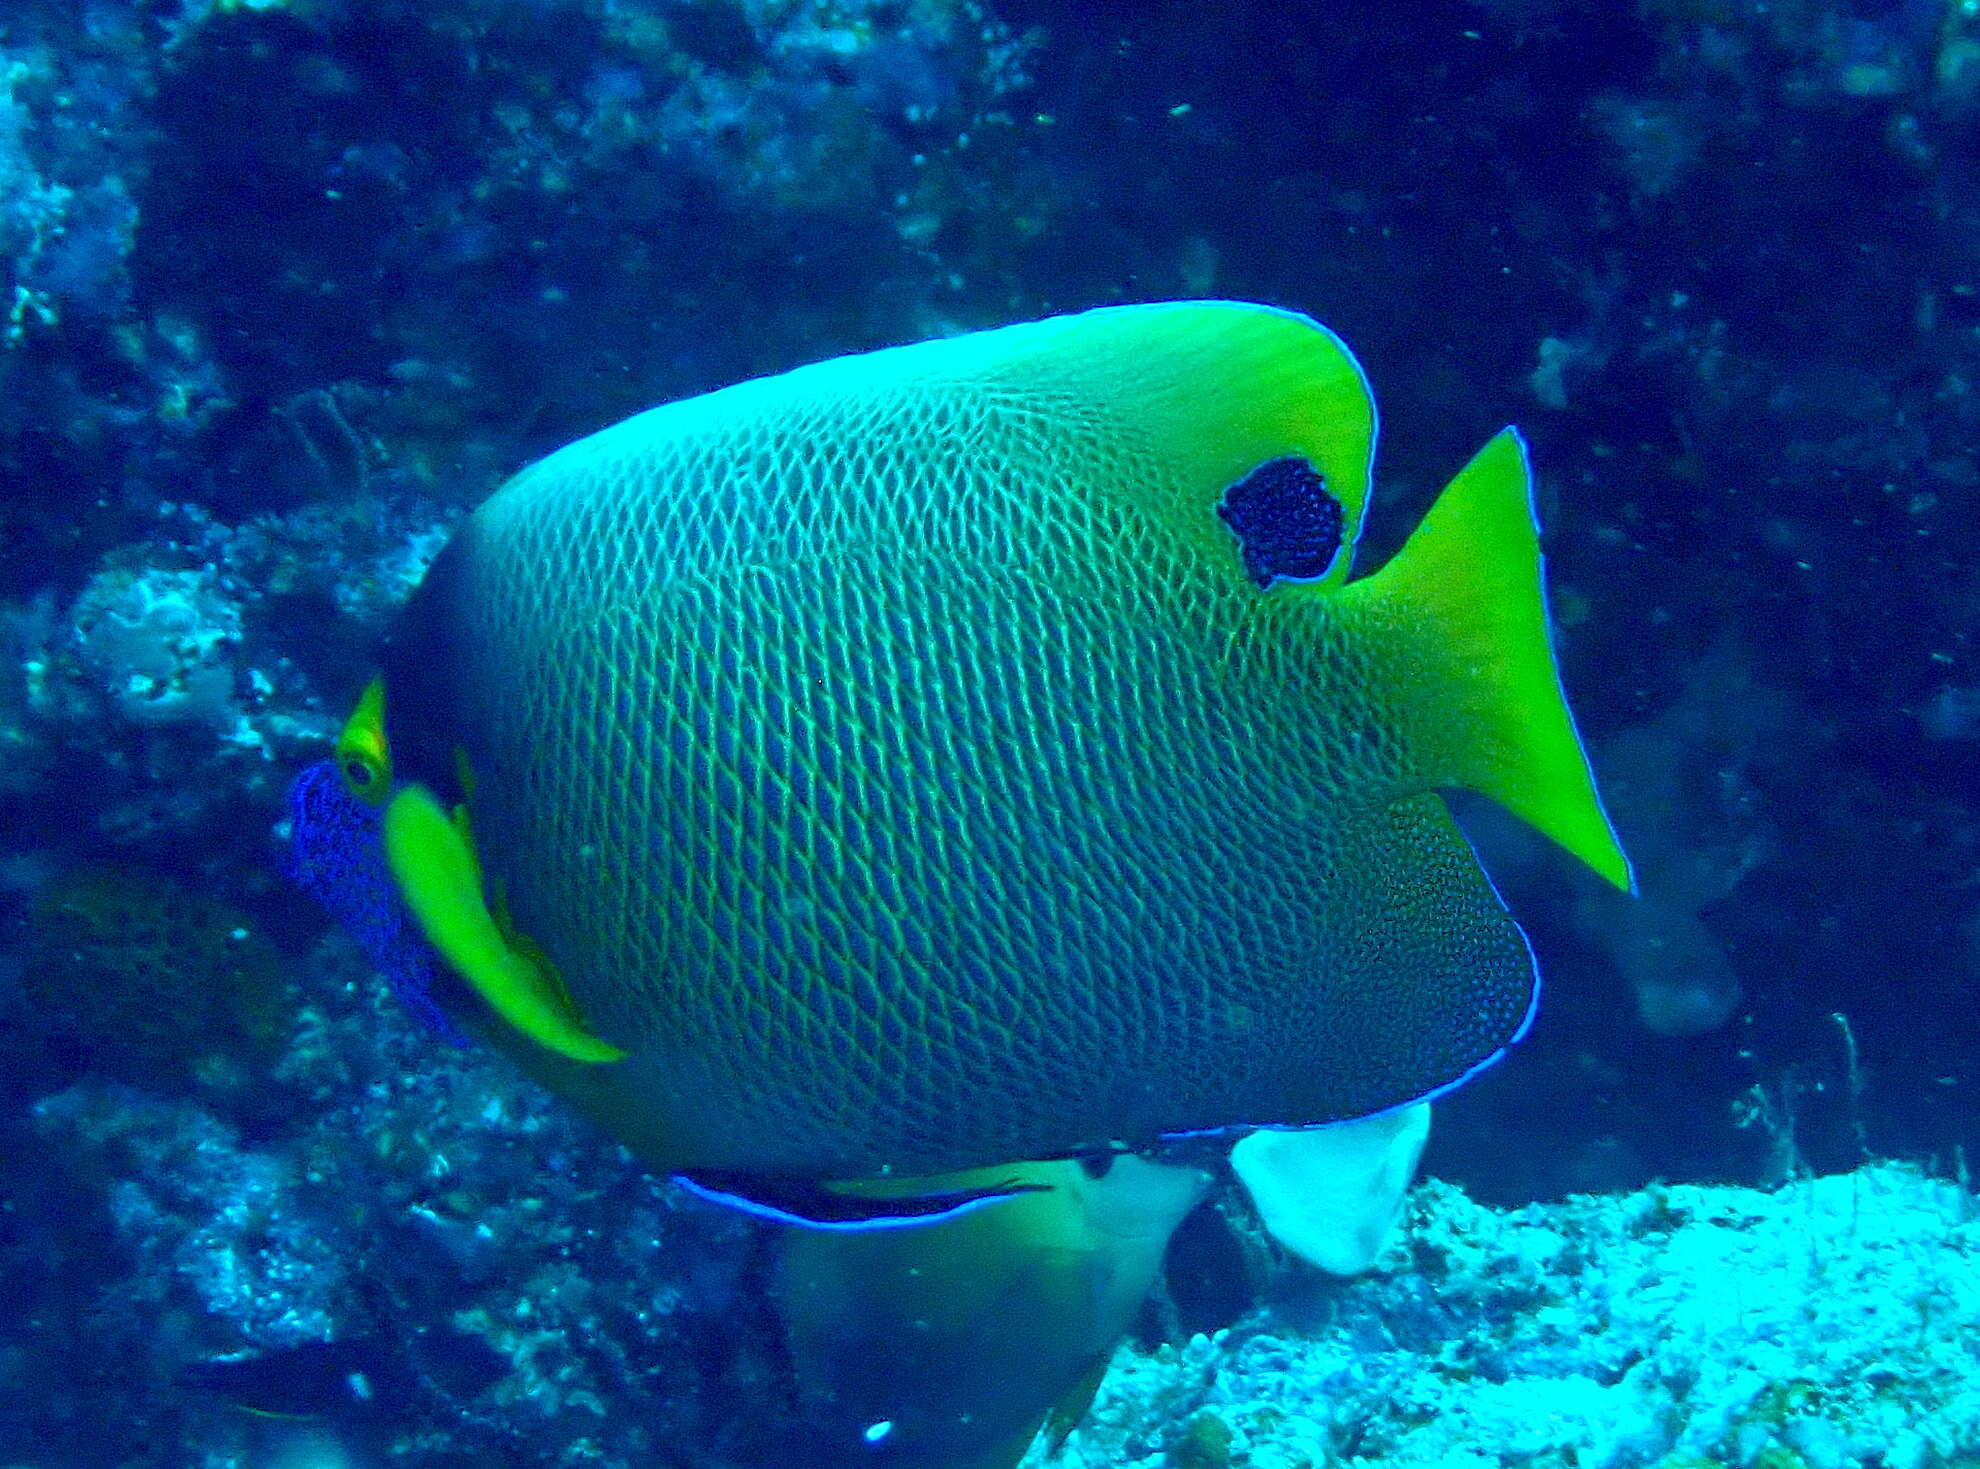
(288, 287)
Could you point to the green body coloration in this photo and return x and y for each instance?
(893, 760)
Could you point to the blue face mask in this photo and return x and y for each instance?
(337, 857)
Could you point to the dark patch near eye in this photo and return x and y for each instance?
(1286, 522)
(358, 773)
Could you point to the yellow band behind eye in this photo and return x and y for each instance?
(432, 857)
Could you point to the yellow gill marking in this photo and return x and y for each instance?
(433, 860)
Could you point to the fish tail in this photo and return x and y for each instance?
(1478, 690)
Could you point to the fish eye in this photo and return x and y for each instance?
(364, 776)
(363, 758)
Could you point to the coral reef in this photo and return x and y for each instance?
(182, 680)
(529, 1296)
(144, 981)
(1822, 1326)
(404, 1190)
(158, 646)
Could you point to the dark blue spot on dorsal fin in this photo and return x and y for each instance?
(1286, 522)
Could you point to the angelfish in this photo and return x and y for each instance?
(973, 753)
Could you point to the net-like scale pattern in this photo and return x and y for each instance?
(905, 797)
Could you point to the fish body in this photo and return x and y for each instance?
(977, 751)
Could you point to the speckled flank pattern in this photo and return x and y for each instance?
(905, 797)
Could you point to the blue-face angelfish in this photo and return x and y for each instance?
(965, 755)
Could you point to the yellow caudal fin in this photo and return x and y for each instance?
(1461, 613)
(434, 865)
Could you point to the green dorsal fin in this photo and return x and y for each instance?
(1477, 689)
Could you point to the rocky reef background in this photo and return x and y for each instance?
(286, 287)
